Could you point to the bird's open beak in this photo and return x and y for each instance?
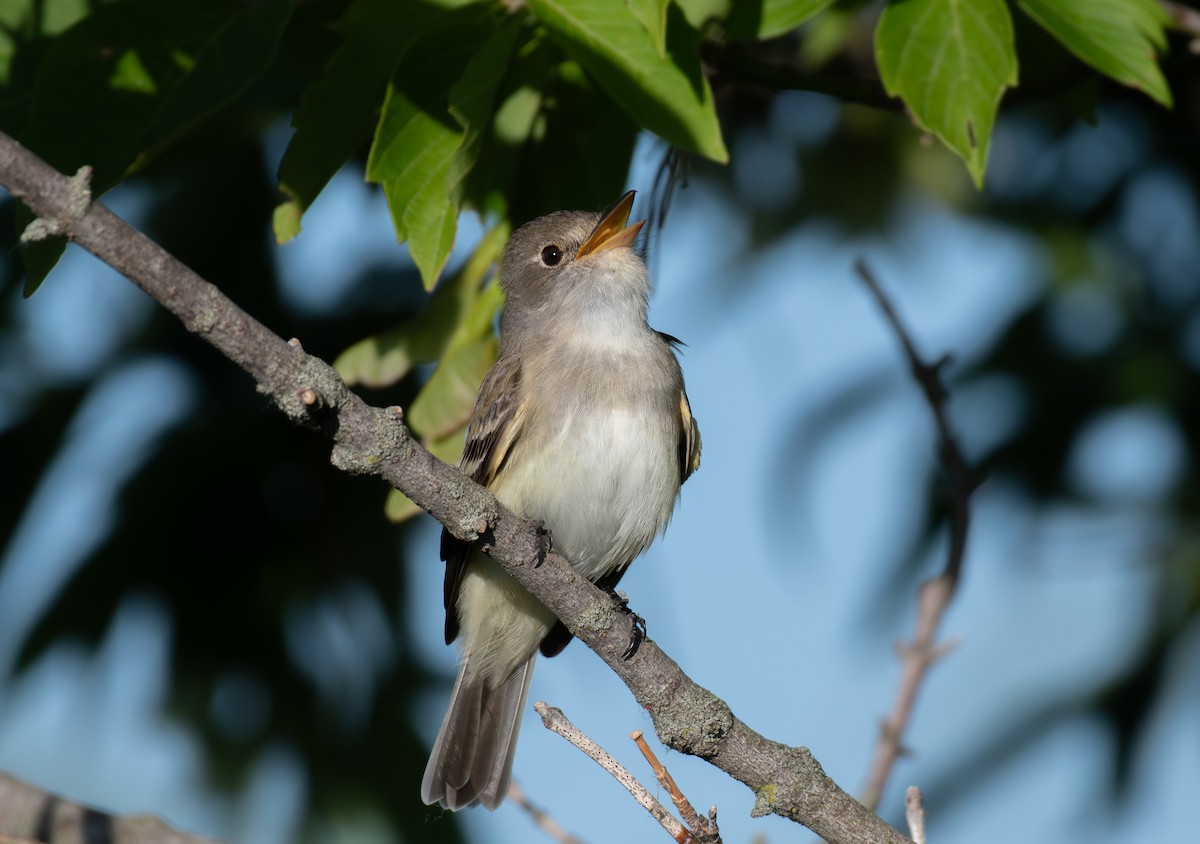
(611, 231)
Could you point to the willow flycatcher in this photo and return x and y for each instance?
(582, 423)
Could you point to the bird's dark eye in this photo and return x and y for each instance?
(551, 255)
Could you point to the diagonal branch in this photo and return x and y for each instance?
(936, 593)
(787, 781)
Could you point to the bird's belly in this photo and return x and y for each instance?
(604, 484)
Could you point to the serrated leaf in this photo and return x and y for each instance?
(1119, 38)
(652, 15)
(772, 18)
(416, 152)
(550, 111)
(337, 113)
(950, 61)
(399, 507)
(445, 403)
(669, 95)
(451, 314)
(125, 81)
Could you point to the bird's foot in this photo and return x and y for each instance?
(638, 634)
(545, 542)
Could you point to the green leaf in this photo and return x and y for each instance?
(421, 150)
(667, 95)
(827, 38)
(652, 15)
(384, 359)
(1119, 38)
(445, 403)
(125, 81)
(337, 113)
(552, 115)
(771, 18)
(950, 61)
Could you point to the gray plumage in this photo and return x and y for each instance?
(583, 423)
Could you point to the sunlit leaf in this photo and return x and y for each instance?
(667, 95)
(421, 150)
(337, 113)
(770, 18)
(950, 61)
(1119, 38)
(453, 312)
(652, 15)
(445, 403)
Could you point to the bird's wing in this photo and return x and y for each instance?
(495, 425)
(689, 439)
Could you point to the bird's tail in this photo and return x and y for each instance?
(471, 761)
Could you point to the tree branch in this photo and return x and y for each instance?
(786, 781)
(555, 720)
(734, 62)
(936, 593)
(29, 815)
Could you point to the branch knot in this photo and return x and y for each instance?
(79, 199)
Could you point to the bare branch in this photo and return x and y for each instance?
(736, 63)
(30, 815)
(935, 594)
(698, 826)
(554, 719)
(787, 781)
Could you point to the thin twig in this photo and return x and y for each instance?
(735, 63)
(935, 594)
(540, 817)
(699, 826)
(554, 719)
(914, 813)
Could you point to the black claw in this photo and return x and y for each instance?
(545, 542)
(638, 633)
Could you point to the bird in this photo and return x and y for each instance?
(583, 425)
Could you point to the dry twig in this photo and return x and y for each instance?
(703, 829)
(554, 719)
(935, 594)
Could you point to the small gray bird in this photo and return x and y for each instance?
(582, 423)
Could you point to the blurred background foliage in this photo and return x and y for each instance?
(282, 582)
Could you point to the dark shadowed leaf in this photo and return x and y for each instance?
(133, 76)
(337, 114)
